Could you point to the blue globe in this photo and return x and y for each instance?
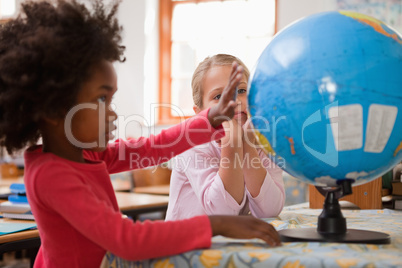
(325, 98)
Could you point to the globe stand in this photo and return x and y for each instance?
(331, 225)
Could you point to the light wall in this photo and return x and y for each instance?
(292, 10)
(138, 75)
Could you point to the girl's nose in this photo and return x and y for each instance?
(239, 103)
(112, 115)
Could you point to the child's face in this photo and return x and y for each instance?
(92, 124)
(214, 82)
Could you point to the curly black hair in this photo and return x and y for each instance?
(46, 54)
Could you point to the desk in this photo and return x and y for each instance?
(119, 185)
(227, 252)
(18, 235)
(28, 240)
(133, 204)
(155, 189)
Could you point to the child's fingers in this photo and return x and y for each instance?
(234, 69)
(269, 234)
(274, 235)
(229, 109)
(227, 103)
(270, 240)
(229, 93)
(233, 74)
(232, 104)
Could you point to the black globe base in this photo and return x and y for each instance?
(331, 225)
(351, 236)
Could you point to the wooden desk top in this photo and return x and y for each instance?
(121, 185)
(126, 201)
(118, 185)
(133, 201)
(18, 235)
(155, 189)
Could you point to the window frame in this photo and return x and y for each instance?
(165, 47)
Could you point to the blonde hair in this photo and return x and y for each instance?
(205, 66)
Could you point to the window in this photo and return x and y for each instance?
(7, 9)
(191, 30)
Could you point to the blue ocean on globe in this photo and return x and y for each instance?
(325, 98)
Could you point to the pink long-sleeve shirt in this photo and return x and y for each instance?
(197, 189)
(76, 209)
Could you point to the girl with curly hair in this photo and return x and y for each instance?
(56, 84)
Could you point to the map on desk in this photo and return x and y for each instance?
(11, 227)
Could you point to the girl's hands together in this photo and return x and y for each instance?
(225, 109)
(233, 134)
(245, 227)
(248, 134)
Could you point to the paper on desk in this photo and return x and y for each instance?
(11, 227)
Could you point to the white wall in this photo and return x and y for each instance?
(292, 10)
(138, 75)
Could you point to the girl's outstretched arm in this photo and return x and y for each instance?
(101, 223)
(202, 128)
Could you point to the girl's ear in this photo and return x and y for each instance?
(196, 109)
(54, 121)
